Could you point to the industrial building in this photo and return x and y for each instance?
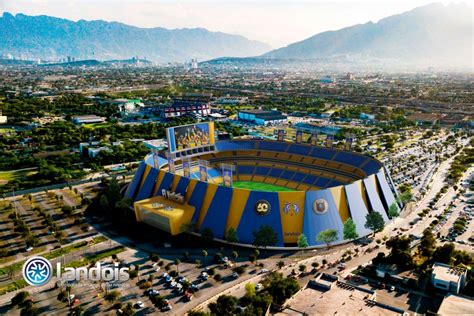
(262, 117)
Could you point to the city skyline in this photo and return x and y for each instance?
(238, 17)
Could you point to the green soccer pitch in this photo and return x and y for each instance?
(258, 186)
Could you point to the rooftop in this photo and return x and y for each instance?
(447, 273)
(337, 301)
(426, 117)
(456, 305)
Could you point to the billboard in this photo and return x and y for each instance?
(190, 136)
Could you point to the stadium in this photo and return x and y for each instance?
(293, 188)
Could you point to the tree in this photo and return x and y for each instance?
(235, 255)
(302, 268)
(231, 235)
(112, 296)
(30, 310)
(427, 243)
(280, 288)
(252, 258)
(128, 310)
(123, 205)
(302, 241)
(207, 235)
(393, 210)
(405, 197)
(350, 230)
(113, 193)
(374, 222)
(265, 237)
(20, 297)
(188, 228)
(204, 255)
(177, 262)
(327, 236)
(444, 254)
(104, 201)
(225, 305)
(280, 264)
(154, 257)
(400, 252)
(249, 289)
(67, 210)
(256, 253)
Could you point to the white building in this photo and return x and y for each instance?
(3, 118)
(448, 278)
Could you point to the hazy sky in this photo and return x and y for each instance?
(276, 22)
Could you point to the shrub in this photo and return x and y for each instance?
(239, 270)
(20, 297)
(145, 285)
(154, 257)
(218, 277)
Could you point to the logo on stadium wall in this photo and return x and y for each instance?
(320, 206)
(37, 271)
(291, 208)
(262, 207)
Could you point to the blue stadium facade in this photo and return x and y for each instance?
(329, 186)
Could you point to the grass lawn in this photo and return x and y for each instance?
(7, 176)
(249, 185)
(96, 125)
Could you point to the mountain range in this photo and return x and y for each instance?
(431, 35)
(50, 38)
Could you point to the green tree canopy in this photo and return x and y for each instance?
(231, 235)
(393, 210)
(327, 236)
(265, 237)
(374, 221)
(427, 243)
(302, 241)
(350, 229)
(225, 305)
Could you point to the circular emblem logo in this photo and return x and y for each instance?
(37, 271)
(262, 207)
(320, 206)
